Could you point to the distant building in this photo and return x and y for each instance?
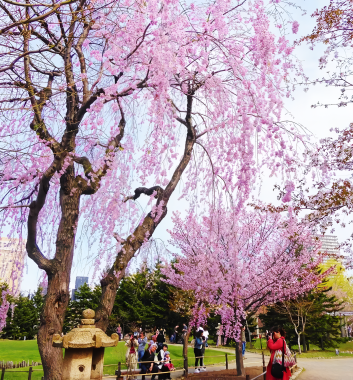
(329, 244)
(12, 255)
(79, 282)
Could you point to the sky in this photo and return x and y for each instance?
(318, 121)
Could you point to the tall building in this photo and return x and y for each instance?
(329, 244)
(12, 255)
(79, 282)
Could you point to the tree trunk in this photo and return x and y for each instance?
(51, 322)
(304, 343)
(239, 359)
(185, 343)
(299, 348)
(58, 296)
(322, 343)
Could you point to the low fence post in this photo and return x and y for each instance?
(186, 366)
(3, 374)
(226, 361)
(263, 365)
(247, 377)
(118, 373)
(30, 373)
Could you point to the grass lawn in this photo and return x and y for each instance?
(15, 350)
(315, 351)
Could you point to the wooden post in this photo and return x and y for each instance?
(3, 374)
(263, 365)
(247, 377)
(226, 361)
(118, 373)
(30, 373)
(186, 366)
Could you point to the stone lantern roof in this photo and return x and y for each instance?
(86, 335)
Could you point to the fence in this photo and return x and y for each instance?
(119, 373)
(8, 365)
(30, 371)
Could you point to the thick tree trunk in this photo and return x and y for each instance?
(239, 359)
(57, 298)
(52, 320)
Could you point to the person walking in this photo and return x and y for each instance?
(142, 341)
(131, 354)
(119, 332)
(198, 352)
(243, 340)
(176, 334)
(276, 341)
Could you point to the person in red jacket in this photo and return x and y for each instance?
(275, 342)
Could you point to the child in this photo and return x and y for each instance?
(167, 362)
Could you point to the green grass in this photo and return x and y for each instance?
(15, 350)
(315, 351)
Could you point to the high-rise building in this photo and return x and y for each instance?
(12, 255)
(79, 282)
(329, 244)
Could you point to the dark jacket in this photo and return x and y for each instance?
(148, 357)
(160, 338)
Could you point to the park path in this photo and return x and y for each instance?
(326, 369)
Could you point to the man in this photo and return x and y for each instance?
(161, 366)
(142, 341)
(160, 340)
(149, 365)
(176, 334)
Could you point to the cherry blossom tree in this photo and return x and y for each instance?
(99, 98)
(236, 262)
(326, 194)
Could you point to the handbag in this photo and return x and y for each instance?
(277, 368)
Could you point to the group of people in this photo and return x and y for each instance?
(151, 360)
(155, 359)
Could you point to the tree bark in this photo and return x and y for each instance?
(185, 343)
(239, 359)
(304, 343)
(299, 348)
(57, 297)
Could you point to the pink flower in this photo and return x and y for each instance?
(295, 27)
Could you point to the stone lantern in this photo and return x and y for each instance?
(84, 349)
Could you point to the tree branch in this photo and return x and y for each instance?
(35, 207)
(145, 190)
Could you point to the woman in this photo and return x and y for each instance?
(198, 352)
(275, 342)
(131, 353)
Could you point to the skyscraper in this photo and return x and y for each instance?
(79, 282)
(12, 254)
(330, 244)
